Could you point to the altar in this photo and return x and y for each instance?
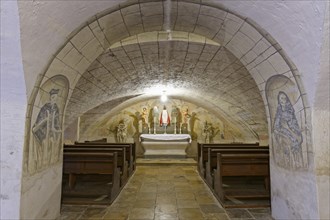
(165, 145)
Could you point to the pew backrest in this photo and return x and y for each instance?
(212, 153)
(89, 163)
(203, 148)
(202, 151)
(243, 164)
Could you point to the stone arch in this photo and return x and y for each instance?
(261, 55)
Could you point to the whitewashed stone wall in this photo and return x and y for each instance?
(13, 109)
(321, 118)
(42, 161)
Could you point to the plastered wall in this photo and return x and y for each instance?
(13, 110)
(203, 125)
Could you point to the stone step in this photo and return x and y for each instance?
(165, 161)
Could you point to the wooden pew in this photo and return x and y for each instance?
(241, 165)
(122, 162)
(211, 162)
(86, 163)
(131, 152)
(202, 150)
(102, 140)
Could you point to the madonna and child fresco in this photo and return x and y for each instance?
(289, 148)
(46, 131)
(287, 133)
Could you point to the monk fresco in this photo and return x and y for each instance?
(47, 133)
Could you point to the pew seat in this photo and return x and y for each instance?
(130, 150)
(241, 177)
(202, 152)
(90, 176)
(122, 162)
(211, 162)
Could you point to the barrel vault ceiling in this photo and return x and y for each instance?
(195, 52)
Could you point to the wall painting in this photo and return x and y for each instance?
(44, 145)
(287, 115)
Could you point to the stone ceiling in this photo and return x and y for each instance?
(197, 51)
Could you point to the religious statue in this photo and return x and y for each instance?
(164, 119)
(186, 115)
(207, 132)
(192, 120)
(121, 132)
(144, 118)
(47, 132)
(144, 115)
(185, 127)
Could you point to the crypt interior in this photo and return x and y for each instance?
(232, 72)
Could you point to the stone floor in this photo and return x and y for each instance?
(164, 192)
(167, 161)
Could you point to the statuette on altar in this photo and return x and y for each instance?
(164, 119)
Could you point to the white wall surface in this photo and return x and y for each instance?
(13, 109)
(321, 118)
(45, 27)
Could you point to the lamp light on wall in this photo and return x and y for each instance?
(163, 98)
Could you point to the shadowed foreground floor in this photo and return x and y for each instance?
(168, 192)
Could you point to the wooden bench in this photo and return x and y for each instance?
(87, 163)
(241, 165)
(202, 152)
(122, 162)
(102, 140)
(211, 162)
(130, 151)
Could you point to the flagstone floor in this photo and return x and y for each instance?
(168, 192)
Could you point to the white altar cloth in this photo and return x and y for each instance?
(165, 145)
(165, 137)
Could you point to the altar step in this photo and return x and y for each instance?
(166, 162)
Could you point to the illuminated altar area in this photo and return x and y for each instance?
(165, 145)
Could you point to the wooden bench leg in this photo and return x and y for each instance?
(72, 180)
(267, 183)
